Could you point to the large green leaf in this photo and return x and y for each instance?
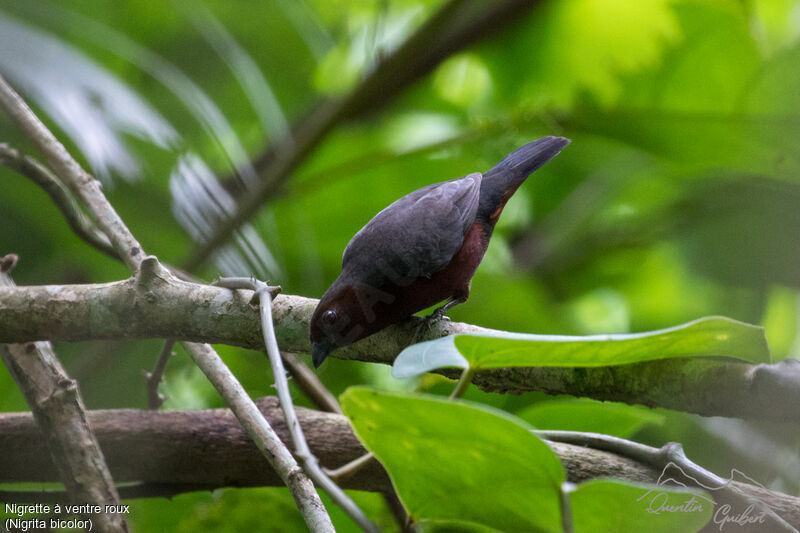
(604, 505)
(459, 460)
(706, 337)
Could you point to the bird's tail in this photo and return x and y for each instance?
(500, 182)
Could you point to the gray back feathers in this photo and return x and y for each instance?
(416, 235)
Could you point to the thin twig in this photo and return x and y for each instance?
(347, 470)
(671, 454)
(148, 273)
(265, 438)
(59, 411)
(308, 382)
(83, 185)
(154, 398)
(59, 194)
(455, 26)
(264, 294)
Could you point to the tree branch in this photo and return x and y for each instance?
(148, 272)
(671, 460)
(160, 450)
(60, 195)
(262, 433)
(308, 382)
(83, 185)
(173, 308)
(456, 26)
(154, 398)
(58, 409)
(263, 293)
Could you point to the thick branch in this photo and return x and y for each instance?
(58, 409)
(162, 450)
(200, 313)
(149, 275)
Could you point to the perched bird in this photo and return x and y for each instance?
(422, 249)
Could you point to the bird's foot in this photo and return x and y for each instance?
(425, 326)
(440, 313)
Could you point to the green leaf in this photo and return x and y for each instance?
(583, 414)
(603, 505)
(458, 460)
(705, 337)
(426, 356)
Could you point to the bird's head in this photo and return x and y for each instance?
(336, 322)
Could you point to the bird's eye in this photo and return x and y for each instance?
(329, 316)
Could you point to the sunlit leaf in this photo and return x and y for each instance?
(411, 132)
(706, 337)
(781, 321)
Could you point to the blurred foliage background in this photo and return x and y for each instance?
(678, 197)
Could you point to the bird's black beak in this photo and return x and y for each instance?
(319, 351)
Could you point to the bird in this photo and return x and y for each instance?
(421, 250)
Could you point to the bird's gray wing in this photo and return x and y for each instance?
(416, 235)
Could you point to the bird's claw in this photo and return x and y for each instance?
(425, 326)
(439, 314)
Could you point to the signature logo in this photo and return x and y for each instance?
(673, 475)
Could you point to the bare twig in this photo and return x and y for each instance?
(309, 383)
(456, 26)
(154, 398)
(58, 408)
(671, 454)
(264, 292)
(77, 180)
(59, 194)
(265, 438)
(348, 470)
(149, 275)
